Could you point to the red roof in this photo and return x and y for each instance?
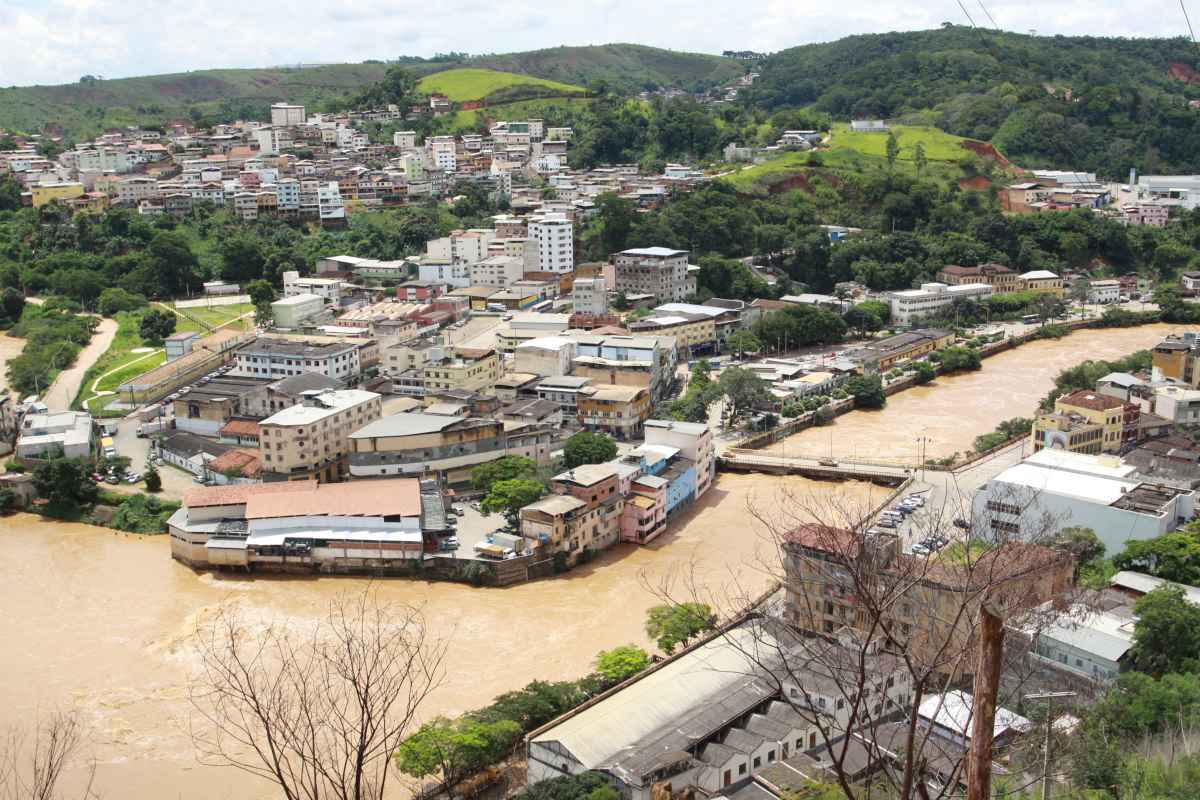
(375, 498)
(1086, 398)
(825, 538)
(244, 461)
(240, 427)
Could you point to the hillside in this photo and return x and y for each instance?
(1098, 104)
(84, 109)
(475, 84)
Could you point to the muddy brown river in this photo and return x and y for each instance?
(100, 621)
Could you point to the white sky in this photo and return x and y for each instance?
(57, 41)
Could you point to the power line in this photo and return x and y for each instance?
(989, 14)
(973, 25)
(1188, 21)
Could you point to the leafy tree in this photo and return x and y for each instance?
(536, 703)
(1173, 556)
(156, 325)
(502, 469)
(262, 294)
(621, 662)
(10, 194)
(743, 389)
(65, 483)
(1166, 635)
(397, 87)
(585, 786)
(673, 625)
(892, 149)
(587, 447)
(142, 513)
(509, 497)
(956, 359)
(616, 217)
(923, 372)
(863, 320)
(867, 391)
(1082, 543)
(919, 158)
(742, 342)
(114, 299)
(153, 480)
(454, 749)
(243, 258)
(12, 303)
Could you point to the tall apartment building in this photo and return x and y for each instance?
(498, 271)
(659, 271)
(285, 114)
(441, 151)
(646, 361)
(405, 140)
(554, 234)
(465, 368)
(461, 247)
(281, 358)
(312, 440)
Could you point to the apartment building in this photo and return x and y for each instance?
(555, 237)
(1105, 291)
(454, 275)
(311, 440)
(276, 358)
(331, 290)
(417, 443)
(646, 361)
(694, 442)
(1003, 279)
(441, 151)
(61, 191)
(1078, 415)
(658, 271)
(584, 513)
(619, 411)
(285, 114)
(548, 356)
(465, 368)
(691, 332)
(461, 247)
(297, 311)
(590, 296)
(497, 271)
(134, 189)
(931, 299)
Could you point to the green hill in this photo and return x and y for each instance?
(1087, 103)
(85, 108)
(475, 84)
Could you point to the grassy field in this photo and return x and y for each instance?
(473, 120)
(860, 152)
(120, 360)
(939, 145)
(476, 84)
(215, 316)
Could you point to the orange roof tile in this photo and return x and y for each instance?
(236, 495)
(373, 498)
(240, 427)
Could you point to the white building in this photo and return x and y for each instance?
(457, 276)
(466, 247)
(1055, 489)
(548, 356)
(442, 152)
(1106, 291)
(285, 114)
(499, 271)
(694, 441)
(1179, 404)
(912, 304)
(294, 311)
(554, 234)
(590, 296)
(405, 140)
(281, 358)
(70, 430)
(330, 290)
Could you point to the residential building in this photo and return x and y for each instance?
(285, 393)
(1066, 431)
(297, 311)
(692, 332)
(1190, 281)
(589, 296)
(648, 361)
(1179, 404)
(1001, 278)
(932, 299)
(374, 527)
(1056, 489)
(331, 290)
(618, 411)
(948, 716)
(277, 358)
(883, 354)
(413, 354)
(498, 271)
(564, 391)
(1175, 359)
(1088, 641)
(548, 356)
(694, 441)
(465, 368)
(206, 409)
(285, 114)
(929, 612)
(569, 528)
(1043, 280)
(311, 440)
(70, 431)
(423, 444)
(43, 193)
(461, 247)
(554, 234)
(658, 271)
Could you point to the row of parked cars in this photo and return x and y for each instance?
(216, 373)
(894, 516)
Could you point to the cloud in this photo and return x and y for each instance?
(57, 41)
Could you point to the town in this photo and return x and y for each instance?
(758, 475)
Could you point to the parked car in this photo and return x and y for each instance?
(457, 510)
(134, 478)
(962, 523)
(111, 479)
(920, 549)
(886, 522)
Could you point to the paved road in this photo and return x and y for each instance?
(66, 386)
(175, 481)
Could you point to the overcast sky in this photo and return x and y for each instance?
(57, 41)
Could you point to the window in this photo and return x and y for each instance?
(741, 769)
(757, 762)
(770, 756)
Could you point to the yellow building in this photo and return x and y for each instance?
(1175, 360)
(1043, 280)
(468, 368)
(689, 330)
(619, 411)
(1069, 432)
(882, 355)
(312, 440)
(44, 193)
(1098, 409)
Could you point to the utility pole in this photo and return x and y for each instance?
(1049, 697)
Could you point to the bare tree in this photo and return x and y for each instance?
(318, 712)
(861, 632)
(31, 768)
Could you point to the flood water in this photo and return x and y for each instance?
(100, 621)
(951, 411)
